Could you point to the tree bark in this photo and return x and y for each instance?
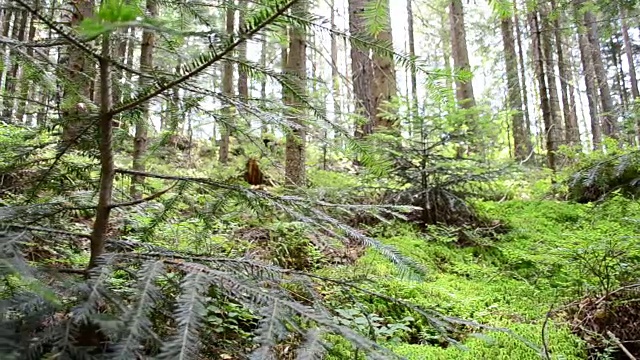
(297, 69)
(513, 87)
(361, 70)
(572, 132)
(539, 69)
(464, 89)
(629, 53)
(589, 76)
(12, 79)
(142, 125)
(523, 75)
(243, 81)
(107, 168)
(384, 73)
(77, 84)
(555, 131)
(609, 127)
(414, 109)
(25, 82)
(227, 90)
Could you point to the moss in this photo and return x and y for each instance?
(511, 282)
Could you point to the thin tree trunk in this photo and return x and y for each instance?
(227, 90)
(296, 67)
(7, 16)
(551, 144)
(629, 53)
(25, 83)
(555, 131)
(525, 93)
(619, 77)
(263, 82)
(107, 168)
(142, 125)
(335, 80)
(12, 80)
(609, 127)
(413, 71)
(590, 86)
(243, 81)
(514, 98)
(572, 134)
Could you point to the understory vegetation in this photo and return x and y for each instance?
(166, 194)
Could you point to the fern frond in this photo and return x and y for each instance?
(313, 347)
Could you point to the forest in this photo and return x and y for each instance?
(319, 179)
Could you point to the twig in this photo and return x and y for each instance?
(146, 199)
(624, 349)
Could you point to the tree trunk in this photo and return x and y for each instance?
(572, 132)
(609, 127)
(589, 76)
(141, 132)
(464, 89)
(107, 168)
(555, 131)
(513, 87)
(414, 112)
(25, 83)
(614, 50)
(227, 90)
(525, 94)
(361, 70)
(78, 81)
(7, 16)
(539, 69)
(384, 72)
(335, 81)
(629, 53)
(243, 81)
(12, 80)
(297, 69)
(263, 82)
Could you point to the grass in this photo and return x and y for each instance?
(512, 281)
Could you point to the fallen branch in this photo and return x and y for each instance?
(622, 347)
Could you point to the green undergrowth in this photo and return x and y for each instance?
(509, 282)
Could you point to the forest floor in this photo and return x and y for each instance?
(529, 280)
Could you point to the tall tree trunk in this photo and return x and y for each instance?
(78, 80)
(614, 50)
(263, 82)
(227, 90)
(25, 83)
(523, 76)
(335, 79)
(572, 132)
(629, 53)
(297, 69)
(414, 113)
(555, 131)
(589, 76)
(107, 168)
(361, 70)
(243, 81)
(545, 106)
(464, 89)
(513, 86)
(384, 73)
(142, 125)
(7, 16)
(609, 127)
(12, 79)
